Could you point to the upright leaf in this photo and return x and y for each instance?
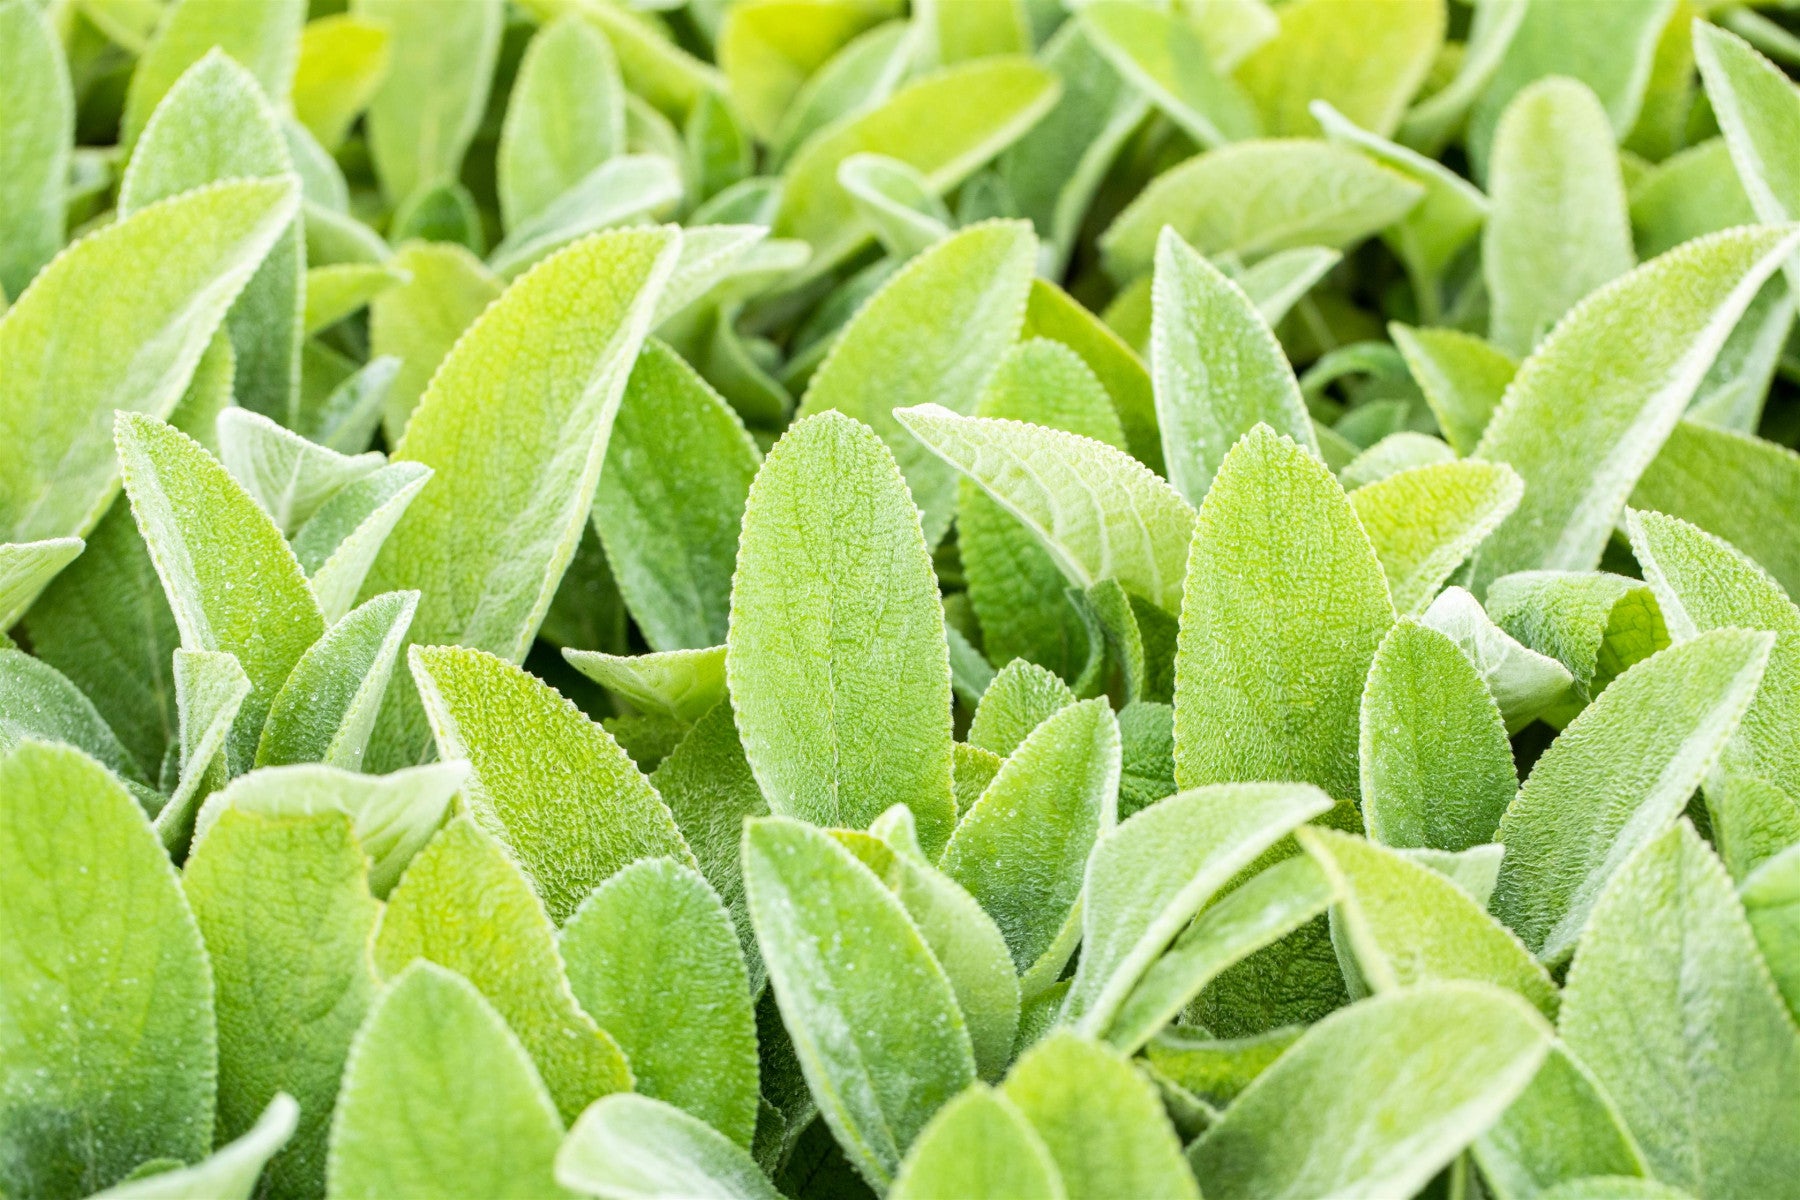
(1562, 1127)
(1162, 55)
(1594, 623)
(107, 1050)
(1020, 698)
(836, 658)
(1367, 64)
(631, 1145)
(326, 710)
(229, 1173)
(1758, 112)
(1425, 521)
(263, 38)
(343, 61)
(1462, 376)
(419, 321)
(24, 570)
(1522, 682)
(981, 1147)
(566, 116)
(290, 477)
(39, 103)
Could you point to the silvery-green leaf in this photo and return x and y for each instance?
(1432, 121)
(656, 931)
(1562, 1127)
(231, 579)
(418, 321)
(337, 290)
(631, 1147)
(896, 201)
(1474, 870)
(770, 50)
(1616, 778)
(263, 38)
(1614, 378)
(873, 1018)
(229, 1173)
(345, 414)
(1391, 455)
(836, 658)
(1436, 768)
(425, 113)
(338, 544)
(1758, 113)
(958, 32)
(861, 76)
(488, 539)
(39, 703)
(393, 816)
(682, 684)
(1274, 903)
(465, 905)
(289, 476)
(1365, 63)
(1560, 226)
(210, 691)
(35, 144)
(1771, 899)
(1099, 513)
(1218, 370)
(216, 124)
(494, 1132)
(134, 348)
(1285, 605)
(25, 568)
(1248, 198)
(1462, 376)
(981, 1147)
(1668, 951)
(725, 263)
(1219, 1069)
(1280, 281)
(1052, 313)
(620, 191)
(1594, 623)
(1162, 55)
(343, 60)
(1522, 682)
(107, 1050)
(1148, 877)
(1382, 1094)
(670, 501)
(549, 783)
(566, 116)
(1100, 1120)
(653, 66)
(283, 904)
(1022, 697)
(931, 335)
(1022, 849)
(326, 710)
(1425, 521)
(336, 237)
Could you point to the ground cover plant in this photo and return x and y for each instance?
(825, 598)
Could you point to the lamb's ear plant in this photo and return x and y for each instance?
(828, 598)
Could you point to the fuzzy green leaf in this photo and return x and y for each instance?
(263, 38)
(1365, 63)
(420, 320)
(39, 102)
(1462, 376)
(631, 1147)
(1522, 682)
(1424, 521)
(565, 117)
(980, 1147)
(1162, 55)
(229, 1173)
(326, 710)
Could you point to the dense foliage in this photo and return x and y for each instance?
(994, 599)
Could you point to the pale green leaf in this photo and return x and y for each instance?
(630, 1147)
(1376, 1098)
(36, 96)
(1771, 898)
(860, 77)
(1052, 313)
(654, 67)
(1424, 521)
(1668, 952)
(549, 783)
(1759, 113)
(263, 38)
(465, 905)
(107, 1051)
(1218, 370)
(338, 544)
(1562, 1127)
(1462, 376)
(287, 475)
(1433, 120)
(620, 191)
(896, 201)
(343, 414)
(1688, 195)
(25, 569)
(39, 703)
(487, 541)
(653, 932)
(873, 1018)
(1616, 778)
(768, 49)
(283, 905)
(230, 1173)
(418, 321)
(1162, 55)
(1437, 770)
(326, 710)
(211, 689)
(1219, 1069)
(566, 116)
(342, 63)
(1023, 848)
(1560, 226)
(1391, 455)
(680, 684)
(1285, 605)
(1021, 697)
(133, 348)
(1522, 682)
(1595, 624)
(980, 1147)
(1614, 378)
(836, 658)
(1366, 62)
(492, 1132)
(335, 291)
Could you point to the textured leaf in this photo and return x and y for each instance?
(231, 580)
(683, 685)
(1440, 115)
(1147, 878)
(425, 113)
(1758, 113)
(211, 690)
(1022, 849)
(1254, 198)
(335, 291)
(393, 816)
(1668, 951)
(565, 117)
(1100, 514)
(620, 191)
(107, 1051)
(338, 545)
(463, 904)
(326, 710)
(1365, 63)
(550, 784)
(1436, 768)
(1100, 1120)
(896, 201)
(945, 124)
(1562, 1127)
(283, 905)
(1614, 379)
(36, 96)
(25, 568)
(1595, 624)
(769, 48)
(132, 348)
(495, 1135)
(485, 544)
(630, 1146)
(1771, 898)
(287, 475)
(1424, 521)
(1021, 698)
(37, 702)
(1284, 608)
(652, 931)
(1162, 55)
(263, 38)
(418, 321)
(671, 500)
(931, 335)
(1463, 379)
(1559, 227)
(1218, 369)
(873, 1019)
(1379, 1095)
(836, 658)
(1616, 778)
(343, 61)
(980, 1147)
(1521, 681)
(858, 78)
